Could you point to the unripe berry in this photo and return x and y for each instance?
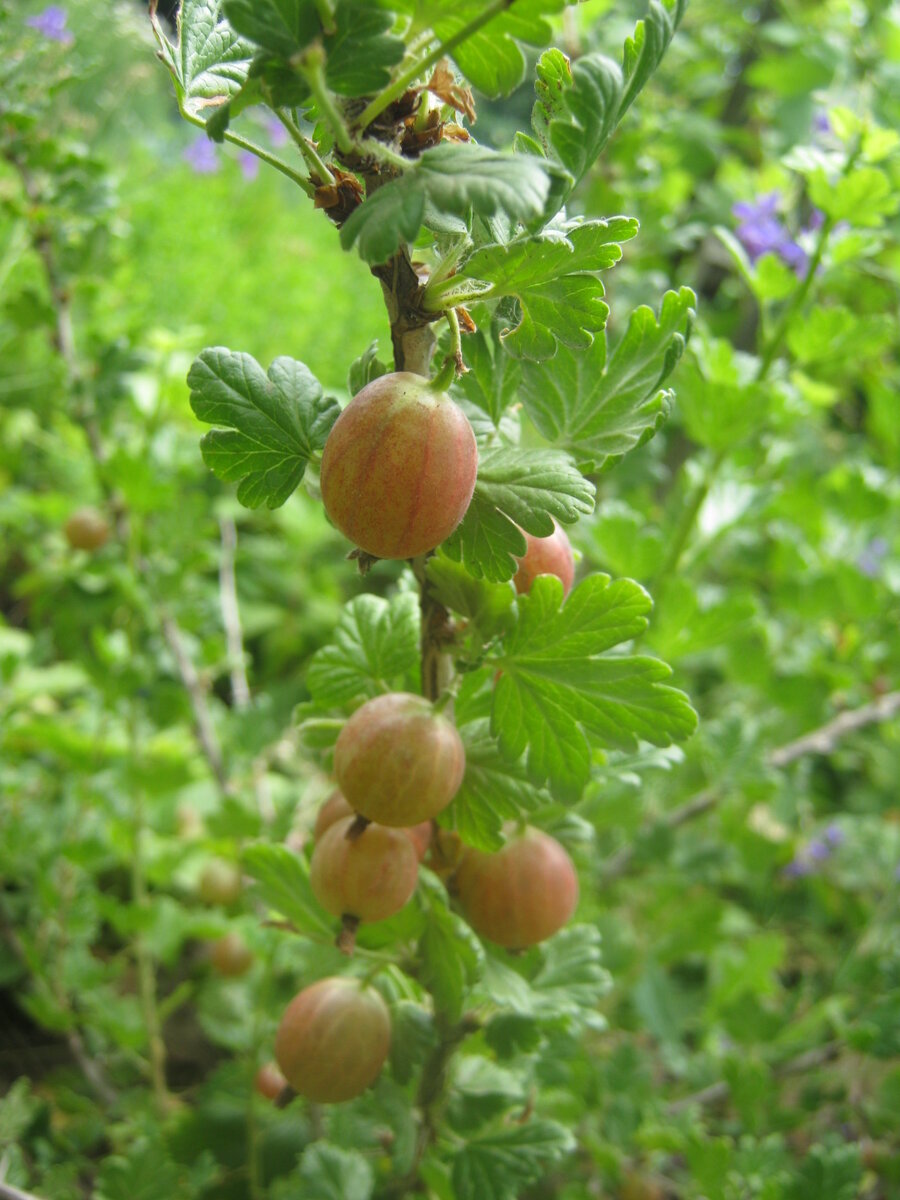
(269, 1081)
(333, 1040)
(87, 529)
(550, 555)
(399, 762)
(336, 808)
(369, 875)
(231, 956)
(399, 466)
(520, 895)
(220, 882)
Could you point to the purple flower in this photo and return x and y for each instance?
(869, 562)
(797, 868)
(202, 156)
(816, 221)
(249, 165)
(761, 231)
(822, 122)
(834, 835)
(278, 135)
(52, 24)
(818, 850)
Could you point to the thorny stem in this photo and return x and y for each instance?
(395, 90)
(311, 67)
(317, 167)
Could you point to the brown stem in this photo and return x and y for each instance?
(346, 939)
(358, 828)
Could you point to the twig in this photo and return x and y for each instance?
(231, 615)
(206, 734)
(716, 1092)
(8, 1192)
(819, 741)
(824, 740)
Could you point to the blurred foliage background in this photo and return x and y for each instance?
(748, 900)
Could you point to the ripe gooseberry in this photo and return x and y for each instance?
(333, 1040)
(231, 956)
(369, 875)
(399, 466)
(520, 895)
(336, 808)
(550, 555)
(86, 529)
(220, 882)
(269, 1081)
(399, 762)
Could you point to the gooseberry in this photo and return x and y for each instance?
(336, 807)
(520, 895)
(399, 466)
(369, 875)
(231, 956)
(87, 529)
(220, 882)
(333, 1040)
(550, 555)
(399, 762)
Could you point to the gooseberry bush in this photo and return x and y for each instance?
(356, 839)
(478, 694)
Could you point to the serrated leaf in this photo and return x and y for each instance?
(412, 1036)
(375, 646)
(558, 686)
(487, 605)
(210, 61)
(572, 977)
(516, 488)
(578, 120)
(283, 880)
(500, 1165)
(330, 1173)
(491, 59)
(283, 27)
(362, 50)
(492, 379)
(452, 178)
(451, 955)
(274, 422)
(554, 278)
(598, 410)
(493, 790)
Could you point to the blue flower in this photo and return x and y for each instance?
(278, 135)
(52, 24)
(818, 850)
(869, 562)
(834, 835)
(761, 231)
(797, 868)
(822, 122)
(249, 165)
(202, 156)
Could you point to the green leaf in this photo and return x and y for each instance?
(412, 1036)
(493, 378)
(362, 50)
(554, 278)
(557, 687)
(364, 369)
(283, 879)
(720, 402)
(454, 179)
(572, 978)
(210, 62)
(487, 605)
(493, 790)
(863, 198)
(516, 488)
(275, 422)
(452, 957)
(283, 27)
(500, 1165)
(375, 647)
(598, 410)
(577, 118)
(329, 1173)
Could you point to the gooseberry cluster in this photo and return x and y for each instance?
(398, 473)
